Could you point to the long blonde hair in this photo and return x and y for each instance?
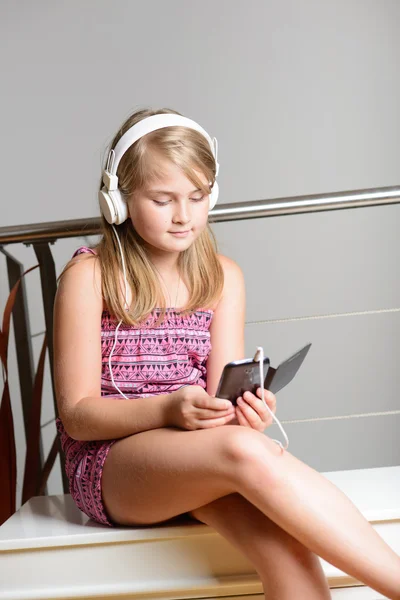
(198, 265)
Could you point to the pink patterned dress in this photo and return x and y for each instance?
(146, 361)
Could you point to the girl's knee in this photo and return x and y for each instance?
(248, 447)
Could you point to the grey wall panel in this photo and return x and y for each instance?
(341, 445)
(351, 368)
(319, 263)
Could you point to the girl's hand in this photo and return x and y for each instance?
(252, 412)
(192, 408)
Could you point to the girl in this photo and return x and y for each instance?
(144, 324)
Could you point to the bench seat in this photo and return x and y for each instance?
(49, 549)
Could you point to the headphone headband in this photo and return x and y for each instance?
(145, 126)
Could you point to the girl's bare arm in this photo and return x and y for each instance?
(77, 365)
(227, 326)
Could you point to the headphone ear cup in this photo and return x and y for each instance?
(121, 207)
(113, 206)
(106, 206)
(214, 195)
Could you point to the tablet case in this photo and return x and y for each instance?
(277, 378)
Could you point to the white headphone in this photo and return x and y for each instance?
(112, 203)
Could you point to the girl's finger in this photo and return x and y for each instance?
(269, 398)
(259, 417)
(207, 423)
(205, 414)
(256, 404)
(241, 418)
(252, 416)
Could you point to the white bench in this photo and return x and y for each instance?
(49, 549)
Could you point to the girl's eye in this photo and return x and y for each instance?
(168, 201)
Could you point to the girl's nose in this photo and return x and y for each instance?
(182, 212)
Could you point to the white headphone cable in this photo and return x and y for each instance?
(260, 357)
(126, 307)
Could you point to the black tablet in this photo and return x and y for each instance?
(240, 376)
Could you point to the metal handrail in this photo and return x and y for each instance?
(233, 211)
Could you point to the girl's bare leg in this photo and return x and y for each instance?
(155, 475)
(320, 516)
(286, 568)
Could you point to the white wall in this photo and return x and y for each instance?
(303, 98)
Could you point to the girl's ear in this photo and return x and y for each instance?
(127, 202)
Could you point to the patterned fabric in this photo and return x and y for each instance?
(146, 361)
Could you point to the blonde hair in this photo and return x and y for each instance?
(198, 265)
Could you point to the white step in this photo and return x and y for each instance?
(49, 550)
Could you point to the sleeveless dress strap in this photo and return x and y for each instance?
(84, 250)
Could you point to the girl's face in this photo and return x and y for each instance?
(167, 206)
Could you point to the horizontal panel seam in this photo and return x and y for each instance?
(327, 316)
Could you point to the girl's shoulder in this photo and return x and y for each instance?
(234, 282)
(82, 261)
(232, 271)
(81, 272)
(80, 278)
(85, 253)
(227, 263)
(86, 258)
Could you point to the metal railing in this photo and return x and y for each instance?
(41, 235)
(234, 211)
